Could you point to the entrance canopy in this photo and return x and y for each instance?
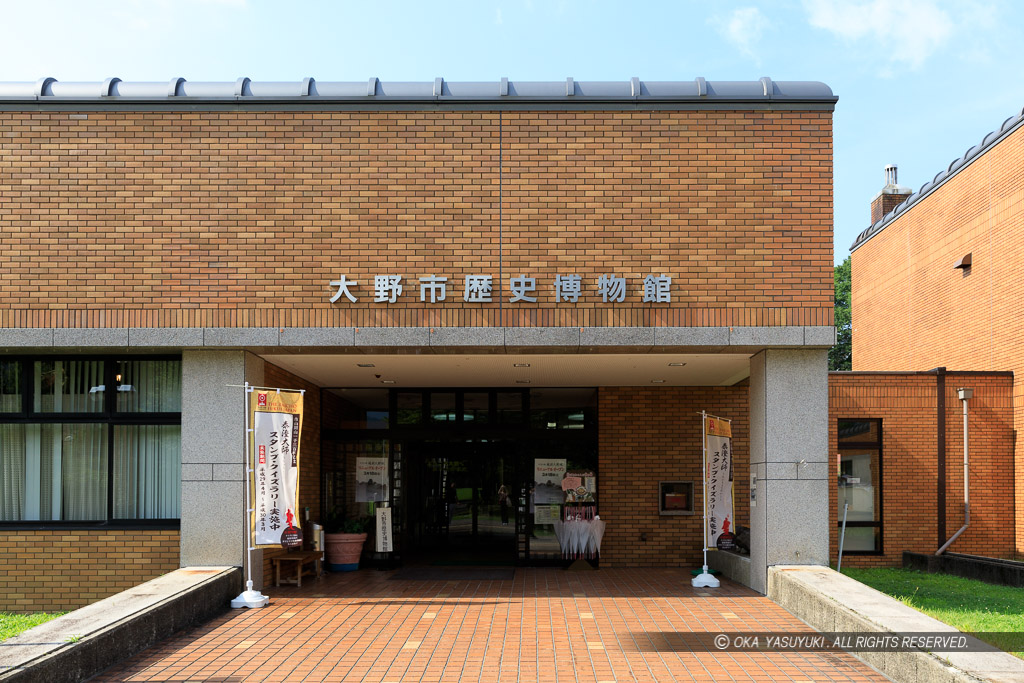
(485, 370)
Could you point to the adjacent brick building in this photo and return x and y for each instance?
(915, 482)
(584, 268)
(936, 283)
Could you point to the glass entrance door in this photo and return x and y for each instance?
(462, 465)
(463, 510)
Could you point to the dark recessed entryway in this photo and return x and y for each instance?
(461, 467)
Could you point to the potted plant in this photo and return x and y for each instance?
(343, 541)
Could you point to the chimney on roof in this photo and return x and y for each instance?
(891, 196)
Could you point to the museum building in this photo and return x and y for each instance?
(464, 279)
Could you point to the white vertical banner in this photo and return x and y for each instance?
(384, 543)
(718, 509)
(276, 425)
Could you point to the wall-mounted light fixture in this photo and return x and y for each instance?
(964, 262)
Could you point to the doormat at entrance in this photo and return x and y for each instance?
(455, 574)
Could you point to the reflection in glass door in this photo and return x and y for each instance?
(463, 512)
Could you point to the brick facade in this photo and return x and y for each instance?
(63, 569)
(198, 209)
(907, 404)
(648, 435)
(912, 310)
(153, 218)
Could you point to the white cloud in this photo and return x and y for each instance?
(743, 28)
(907, 32)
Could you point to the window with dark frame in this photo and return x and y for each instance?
(90, 440)
(860, 485)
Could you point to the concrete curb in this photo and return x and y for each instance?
(734, 566)
(83, 643)
(828, 601)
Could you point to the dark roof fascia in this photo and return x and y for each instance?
(1010, 126)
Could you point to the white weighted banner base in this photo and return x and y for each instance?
(705, 580)
(250, 598)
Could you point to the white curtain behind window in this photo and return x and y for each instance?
(68, 386)
(84, 470)
(149, 386)
(12, 472)
(147, 472)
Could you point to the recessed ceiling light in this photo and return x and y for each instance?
(522, 381)
(366, 365)
(520, 365)
(657, 381)
(676, 365)
(387, 381)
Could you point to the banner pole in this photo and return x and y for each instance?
(704, 480)
(705, 578)
(249, 597)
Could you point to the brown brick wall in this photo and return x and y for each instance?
(907, 406)
(242, 218)
(912, 310)
(648, 435)
(55, 570)
(991, 468)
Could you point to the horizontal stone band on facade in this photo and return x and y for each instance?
(649, 315)
(569, 338)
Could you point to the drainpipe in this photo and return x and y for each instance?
(964, 395)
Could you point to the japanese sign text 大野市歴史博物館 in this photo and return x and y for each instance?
(479, 288)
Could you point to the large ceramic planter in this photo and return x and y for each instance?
(343, 551)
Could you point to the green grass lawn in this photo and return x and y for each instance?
(12, 624)
(965, 604)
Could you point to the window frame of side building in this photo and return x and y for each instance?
(873, 448)
(109, 416)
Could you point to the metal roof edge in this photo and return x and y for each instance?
(245, 90)
(1010, 125)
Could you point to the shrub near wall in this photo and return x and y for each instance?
(64, 569)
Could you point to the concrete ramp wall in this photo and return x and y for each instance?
(83, 643)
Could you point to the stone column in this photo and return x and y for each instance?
(213, 457)
(789, 458)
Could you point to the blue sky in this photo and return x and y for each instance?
(919, 81)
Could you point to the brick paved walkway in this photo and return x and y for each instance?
(545, 625)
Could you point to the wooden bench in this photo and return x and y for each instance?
(301, 559)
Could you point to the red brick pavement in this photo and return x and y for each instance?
(545, 625)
